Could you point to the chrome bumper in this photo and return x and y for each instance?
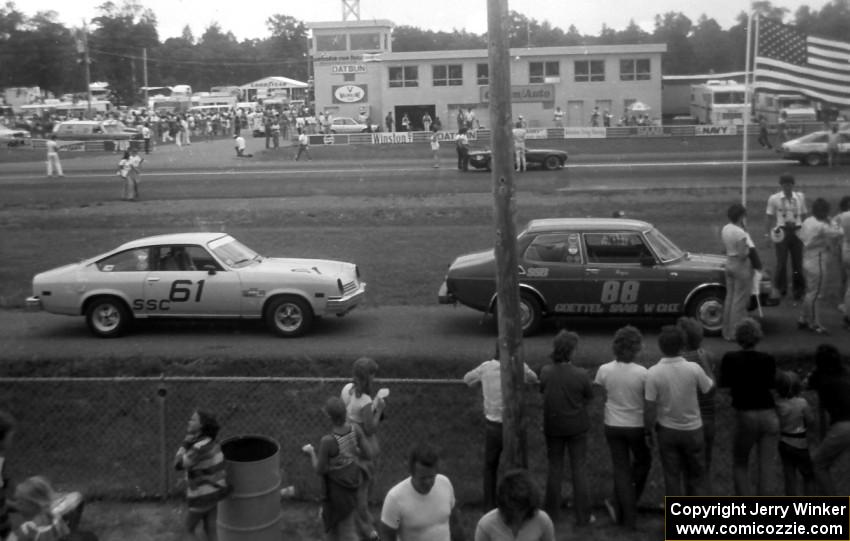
(444, 297)
(342, 305)
(33, 304)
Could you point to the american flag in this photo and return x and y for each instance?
(789, 61)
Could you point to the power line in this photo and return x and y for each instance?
(213, 62)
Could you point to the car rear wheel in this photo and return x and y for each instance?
(108, 317)
(707, 308)
(551, 163)
(814, 159)
(289, 316)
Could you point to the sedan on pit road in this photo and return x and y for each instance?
(197, 275)
(541, 157)
(597, 267)
(810, 149)
(344, 124)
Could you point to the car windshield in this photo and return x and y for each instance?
(234, 253)
(663, 247)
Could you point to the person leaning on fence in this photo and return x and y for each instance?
(364, 411)
(338, 462)
(750, 376)
(672, 410)
(201, 458)
(623, 381)
(567, 392)
(831, 380)
(695, 353)
(7, 433)
(518, 515)
(489, 375)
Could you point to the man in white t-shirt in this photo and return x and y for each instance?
(422, 507)
(671, 402)
(624, 382)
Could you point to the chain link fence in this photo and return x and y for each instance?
(115, 438)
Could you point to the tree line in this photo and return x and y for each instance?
(39, 51)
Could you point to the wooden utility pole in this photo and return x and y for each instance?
(507, 287)
(87, 62)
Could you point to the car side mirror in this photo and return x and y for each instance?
(647, 261)
(210, 269)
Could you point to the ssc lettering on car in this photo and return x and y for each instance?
(614, 291)
(538, 272)
(151, 305)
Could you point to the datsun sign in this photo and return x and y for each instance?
(349, 93)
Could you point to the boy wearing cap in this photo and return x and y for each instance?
(786, 210)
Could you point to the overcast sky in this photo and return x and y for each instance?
(247, 19)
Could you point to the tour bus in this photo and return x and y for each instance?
(797, 108)
(719, 102)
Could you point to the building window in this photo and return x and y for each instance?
(451, 75)
(539, 72)
(330, 42)
(589, 71)
(365, 42)
(404, 76)
(482, 76)
(634, 69)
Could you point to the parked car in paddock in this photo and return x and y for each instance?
(810, 149)
(548, 159)
(598, 267)
(14, 137)
(344, 124)
(197, 275)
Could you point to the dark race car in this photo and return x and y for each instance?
(548, 159)
(597, 267)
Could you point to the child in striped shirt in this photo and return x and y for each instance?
(201, 457)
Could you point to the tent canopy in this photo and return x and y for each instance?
(639, 107)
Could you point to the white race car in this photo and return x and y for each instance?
(197, 275)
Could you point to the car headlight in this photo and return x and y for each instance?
(339, 285)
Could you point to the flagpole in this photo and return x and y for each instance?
(749, 80)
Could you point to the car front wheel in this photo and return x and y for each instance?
(707, 308)
(814, 159)
(530, 313)
(551, 163)
(289, 316)
(108, 317)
